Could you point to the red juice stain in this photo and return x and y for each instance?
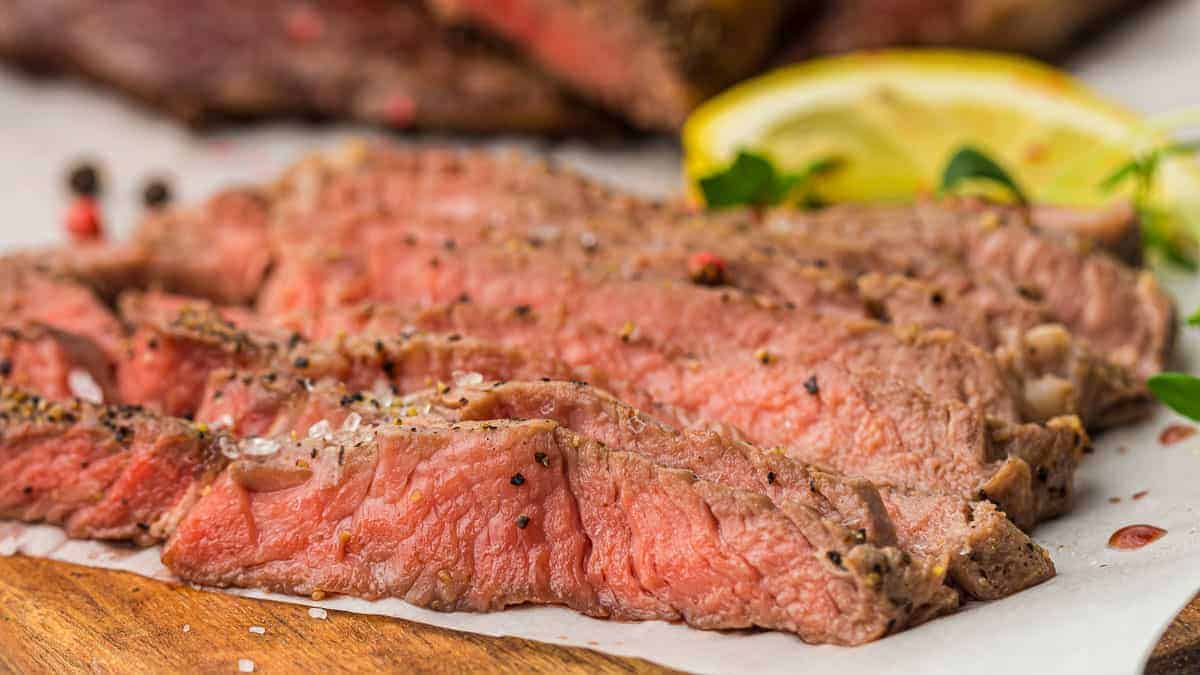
(1132, 537)
(1139, 495)
(1175, 433)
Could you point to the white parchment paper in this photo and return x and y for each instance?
(1101, 614)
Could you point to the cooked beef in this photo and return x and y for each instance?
(175, 349)
(985, 554)
(1114, 228)
(102, 472)
(55, 364)
(382, 61)
(1120, 311)
(1034, 26)
(387, 197)
(28, 294)
(220, 251)
(605, 532)
(482, 193)
(861, 424)
(988, 556)
(652, 61)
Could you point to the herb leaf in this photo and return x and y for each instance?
(753, 180)
(1180, 392)
(1194, 319)
(969, 163)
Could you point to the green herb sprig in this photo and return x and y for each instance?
(753, 180)
(969, 164)
(1158, 233)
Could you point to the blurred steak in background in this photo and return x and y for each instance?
(650, 60)
(1041, 27)
(472, 65)
(383, 61)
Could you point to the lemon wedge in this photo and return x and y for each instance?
(893, 118)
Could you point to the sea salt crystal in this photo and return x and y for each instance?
(318, 613)
(321, 430)
(352, 422)
(187, 627)
(83, 386)
(258, 630)
(228, 447)
(259, 447)
(467, 379)
(224, 421)
(245, 666)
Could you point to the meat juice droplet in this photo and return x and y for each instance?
(1175, 433)
(1132, 537)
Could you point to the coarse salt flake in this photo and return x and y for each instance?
(318, 613)
(321, 430)
(258, 630)
(83, 386)
(259, 447)
(468, 379)
(245, 666)
(352, 422)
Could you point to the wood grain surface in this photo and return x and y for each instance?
(60, 618)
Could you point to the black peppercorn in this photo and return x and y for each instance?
(810, 385)
(522, 521)
(517, 479)
(156, 193)
(84, 180)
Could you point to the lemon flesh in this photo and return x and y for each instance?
(895, 117)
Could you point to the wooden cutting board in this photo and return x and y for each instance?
(61, 618)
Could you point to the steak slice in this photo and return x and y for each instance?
(860, 425)
(984, 553)
(988, 557)
(1120, 311)
(176, 347)
(383, 61)
(267, 403)
(651, 61)
(607, 533)
(57, 365)
(28, 294)
(1043, 28)
(101, 472)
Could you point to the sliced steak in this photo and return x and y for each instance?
(174, 350)
(1120, 311)
(651, 61)
(861, 425)
(55, 364)
(101, 472)
(456, 198)
(268, 403)
(383, 61)
(485, 195)
(605, 532)
(28, 294)
(220, 250)
(988, 556)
